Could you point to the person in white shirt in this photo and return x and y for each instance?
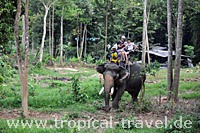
(130, 47)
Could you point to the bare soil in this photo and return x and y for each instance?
(160, 111)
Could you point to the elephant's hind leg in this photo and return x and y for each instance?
(133, 95)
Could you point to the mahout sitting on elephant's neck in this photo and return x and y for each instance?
(111, 66)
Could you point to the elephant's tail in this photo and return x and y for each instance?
(142, 88)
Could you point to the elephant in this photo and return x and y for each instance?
(121, 79)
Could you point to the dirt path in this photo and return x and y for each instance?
(63, 69)
(159, 112)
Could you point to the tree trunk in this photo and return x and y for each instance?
(44, 32)
(50, 34)
(77, 48)
(23, 31)
(85, 50)
(169, 66)
(17, 42)
(32, 45)
(82, 42)
(81, 31)
(61, 39)
(23, 73)
(147, 39)
(144, 34)
(77, 41)
(25, 89)
(178, 52)
(106, 33)
(52, 38)
(147, 44)
(46, 6)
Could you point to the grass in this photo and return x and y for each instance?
(193, 95)
(34, 129)
(194, 86)
(156, 89)
(142, 130)
(56, 96)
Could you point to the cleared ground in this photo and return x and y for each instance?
(50, 97)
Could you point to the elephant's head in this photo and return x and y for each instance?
(112, 73)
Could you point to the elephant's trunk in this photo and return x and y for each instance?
(108, 84)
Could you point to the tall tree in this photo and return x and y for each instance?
(82, 41)
(144, 37)
(85, 50)
(106, 31)
(61, 38)
(178, 51)
(23, 29)
(23, 71)
(17, 41)
(147, 43)
(52, 37)
(46, 6)
(50, 34)
(66, 10)
(25, 90)
(78, 37)
(169, 66)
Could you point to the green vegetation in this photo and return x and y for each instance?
(195, 120)
(76, 92)
(125, 18)
(76, 89)
(189, 51)
(6, 71)
(192, 95)
(68, 87)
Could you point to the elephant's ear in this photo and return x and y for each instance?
(100, 68)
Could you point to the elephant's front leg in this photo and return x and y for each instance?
(118, 96)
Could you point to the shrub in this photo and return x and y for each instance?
(1, 80)
(78, 95)
(31, 90)
(64, 99)
(151, 68)
(89, 59)
(10, 97)
(100, 61)
(49, 58)
(189, 50)
(73, 59)
(38, 65)
(6, 70)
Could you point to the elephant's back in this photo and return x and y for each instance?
(135, 69)
(136, 78)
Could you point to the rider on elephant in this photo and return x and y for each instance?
(115, 56)
(120, 48)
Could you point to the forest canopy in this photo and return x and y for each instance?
(124, 18)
